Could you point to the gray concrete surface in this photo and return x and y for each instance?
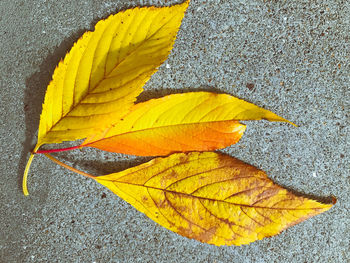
(291, 57)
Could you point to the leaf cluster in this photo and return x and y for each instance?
(200, 194)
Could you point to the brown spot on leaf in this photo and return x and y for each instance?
(169, 177)
(207, 235)
(203, 236)
(267, 193)
(162, 204)
(186, 232)
(183, 158)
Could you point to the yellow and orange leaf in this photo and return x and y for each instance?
(100, 78)
(211, 197)
(194, 121)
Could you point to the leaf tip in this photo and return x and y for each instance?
(292, 123)
(285, 120)
(334, 200)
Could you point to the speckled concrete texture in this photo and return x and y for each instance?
(291, 57)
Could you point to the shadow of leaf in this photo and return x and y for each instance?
(34, 97)
(158, 93)
(321, 199)
(98, 167)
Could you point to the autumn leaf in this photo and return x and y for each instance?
(194, 121)
(211, 197)
(101, 76)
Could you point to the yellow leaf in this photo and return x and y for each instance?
(194, 121)
(101, 76)
(211, 197)
(99, 79)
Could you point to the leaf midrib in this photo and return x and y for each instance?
(160, 127)
(211, 199)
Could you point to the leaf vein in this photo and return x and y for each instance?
(226, 221)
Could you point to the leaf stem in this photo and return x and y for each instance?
(26, 170)
(25, 175)
(68, 167)
(58, 150)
